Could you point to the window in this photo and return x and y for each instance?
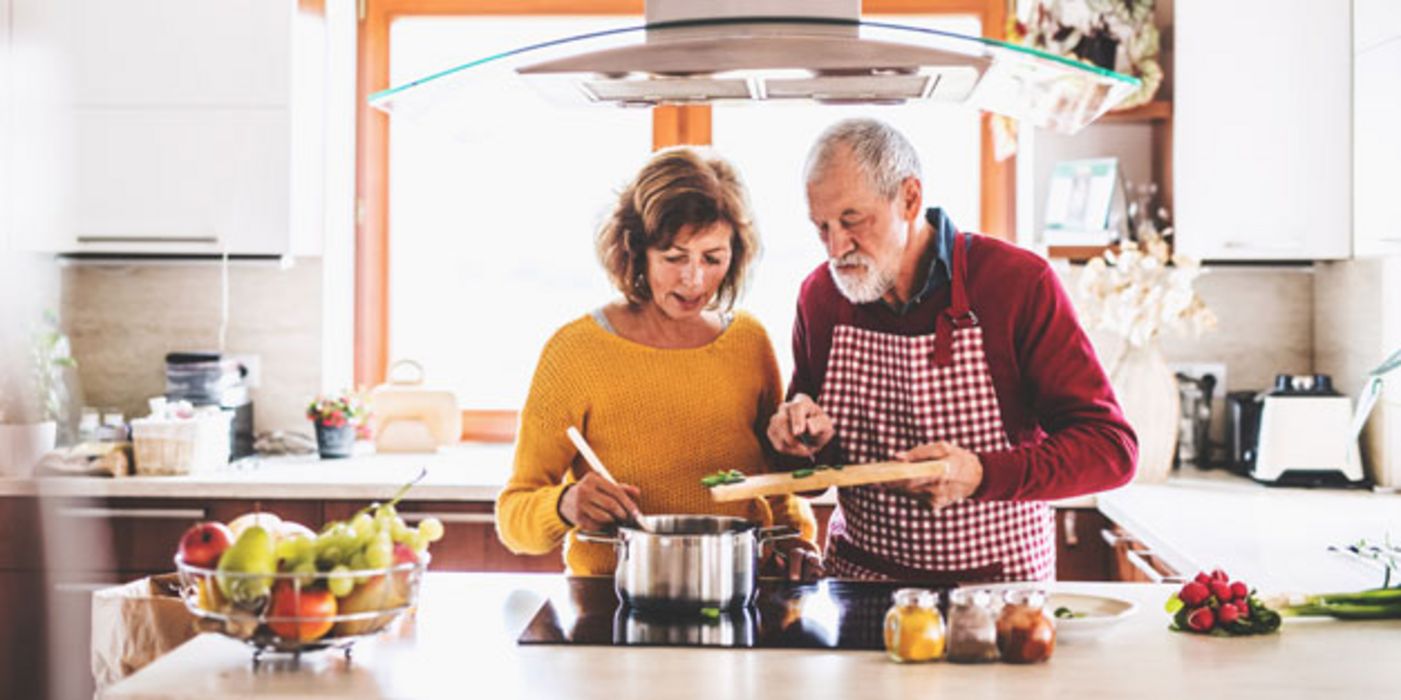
(492, 243)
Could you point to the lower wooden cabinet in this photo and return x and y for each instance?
(1091, 547)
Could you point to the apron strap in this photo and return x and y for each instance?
(959, 314)
(843, 548)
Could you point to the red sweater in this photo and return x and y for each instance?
(1068, 434)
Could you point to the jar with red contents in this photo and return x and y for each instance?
(1026, 634)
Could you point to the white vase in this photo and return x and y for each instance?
(22, 444)
(1147, 391)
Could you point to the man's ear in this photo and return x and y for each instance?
(911, 199)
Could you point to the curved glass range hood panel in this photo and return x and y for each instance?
(728, 60)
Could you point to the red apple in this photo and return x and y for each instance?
(202, 544)
(313, 609)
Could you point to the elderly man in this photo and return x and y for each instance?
(922, 342)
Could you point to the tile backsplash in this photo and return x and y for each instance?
(124, 318)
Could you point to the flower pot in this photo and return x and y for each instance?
(22, 444)
(1147, 391)
(336, 441)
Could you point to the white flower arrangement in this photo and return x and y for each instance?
(1141, 290)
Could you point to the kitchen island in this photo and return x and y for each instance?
(462, 643)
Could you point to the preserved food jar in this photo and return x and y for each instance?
(914, 629)
(1025, 633)
(972, 634)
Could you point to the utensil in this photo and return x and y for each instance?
(685, 563)
(821, 478)
(597, 464)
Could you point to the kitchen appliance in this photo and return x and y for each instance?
(410, 417)
(210, 379)
(774, 51)
(829, 614)
(1194, 419)
(1306, 435)
(1242, 429)
(688, 562)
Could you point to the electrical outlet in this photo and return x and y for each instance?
(1201, 369)
(254, 365)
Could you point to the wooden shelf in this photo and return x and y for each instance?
(1155, 111)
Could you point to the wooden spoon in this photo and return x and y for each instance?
(597, 464)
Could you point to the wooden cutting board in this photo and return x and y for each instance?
(853, 475)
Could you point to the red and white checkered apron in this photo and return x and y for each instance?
(886, 393)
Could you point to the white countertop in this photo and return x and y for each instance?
(1275, 539)
(463, 645)
(468, 472)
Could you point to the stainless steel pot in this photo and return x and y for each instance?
(689, 562)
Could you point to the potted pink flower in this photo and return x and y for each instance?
(337, 420)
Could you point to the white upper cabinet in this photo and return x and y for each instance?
(1376, 127)
(1262, 145)
(177, 124)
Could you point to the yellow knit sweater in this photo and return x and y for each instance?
(659, 419)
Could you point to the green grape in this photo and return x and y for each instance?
(358, 563)
(293, 550)
(380, 553)
(399, 531)
(363, 524)
(339, 584)
(306, 572)
(418, 540)
(432, 528)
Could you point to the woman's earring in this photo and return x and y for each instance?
(639, 282)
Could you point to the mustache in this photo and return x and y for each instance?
(852, 258)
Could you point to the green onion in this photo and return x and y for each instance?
(802, 473)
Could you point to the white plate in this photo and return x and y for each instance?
(1102, 613)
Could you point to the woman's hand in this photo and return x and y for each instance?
(593, 503)
(795, 559)
(800, 427)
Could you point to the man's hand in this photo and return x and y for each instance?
(963, 477)
(594, 503)
(800, 427)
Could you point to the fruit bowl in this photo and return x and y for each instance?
(291, 612)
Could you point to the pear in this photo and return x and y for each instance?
(252, 553)
(377, 593)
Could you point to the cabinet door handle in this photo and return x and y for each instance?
(1139, 560)
(132, 513)
(210, 240)
(1071, 538)
(1112, 538)
(1390, 239)
(1256, 245)
(453, 518)
(81, 587)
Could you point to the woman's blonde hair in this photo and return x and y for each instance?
(678, 187)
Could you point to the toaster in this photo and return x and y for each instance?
(1306, 435)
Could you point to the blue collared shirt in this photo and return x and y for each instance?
(941, 266)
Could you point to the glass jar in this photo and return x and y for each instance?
(914, 629)
(1026, 634)
(972, 636)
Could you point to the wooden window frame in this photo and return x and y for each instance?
(670, 126)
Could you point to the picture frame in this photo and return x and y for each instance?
(1085, 203)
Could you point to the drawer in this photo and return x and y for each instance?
(20, 548)
(142, 535)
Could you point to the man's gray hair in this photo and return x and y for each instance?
(883, 153)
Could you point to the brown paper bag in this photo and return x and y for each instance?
(134, 624)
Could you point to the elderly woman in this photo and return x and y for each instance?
(667, 384)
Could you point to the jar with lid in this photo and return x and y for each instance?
(914, 629)
(972, 635)
(1026, 634)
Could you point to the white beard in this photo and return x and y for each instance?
(868, 286)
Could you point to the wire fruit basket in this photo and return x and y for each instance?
(292, 613)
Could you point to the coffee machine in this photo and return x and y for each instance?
(1300, 433)
(210, 379)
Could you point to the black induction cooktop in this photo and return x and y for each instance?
(828, 614)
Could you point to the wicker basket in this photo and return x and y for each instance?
(181, 446)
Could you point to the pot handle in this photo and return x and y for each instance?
(778, 532)
(597, 538)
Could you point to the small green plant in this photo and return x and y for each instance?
(52, 355)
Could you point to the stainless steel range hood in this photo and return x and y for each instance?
(777, 51)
